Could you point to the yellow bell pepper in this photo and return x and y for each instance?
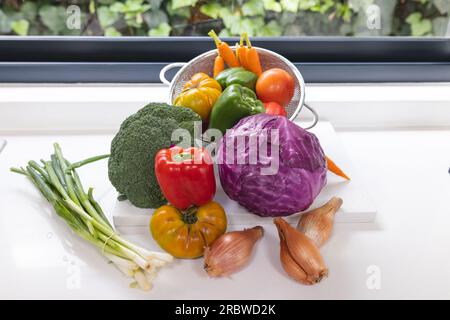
(186, 234)
(199, 94)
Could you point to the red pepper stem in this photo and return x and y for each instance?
(190, 215)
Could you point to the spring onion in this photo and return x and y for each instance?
(60, 184)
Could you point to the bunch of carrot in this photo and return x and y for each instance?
(246, 56)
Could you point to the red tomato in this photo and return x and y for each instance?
(275, 85)
(275, 109)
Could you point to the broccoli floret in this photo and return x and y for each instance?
(131, 165)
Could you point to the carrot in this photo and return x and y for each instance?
(252, 57)
(335, 169)
(241, 52)
(219, 65)
(224, 51)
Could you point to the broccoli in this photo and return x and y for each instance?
(133, 149)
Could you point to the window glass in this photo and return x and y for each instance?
(265, 18)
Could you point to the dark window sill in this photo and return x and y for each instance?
(139, 60)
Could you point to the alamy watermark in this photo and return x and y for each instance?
(73, 21)
(262, 149)
(73, 270)
(373, 13)
(373, 281)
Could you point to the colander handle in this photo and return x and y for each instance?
(162, 73)
(315, 116)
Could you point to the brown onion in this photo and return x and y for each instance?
(231, 251)
(317, 224)
(299, 254)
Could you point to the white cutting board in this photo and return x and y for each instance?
(357, 206)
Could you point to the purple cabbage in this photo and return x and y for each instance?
(288, 189)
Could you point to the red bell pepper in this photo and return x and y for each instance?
(186, 176)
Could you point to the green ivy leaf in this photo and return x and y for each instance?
(414, 18)
(288, 18)
(440, 25)
(112, 32)
(306, 4)
(20, 27)
(360, 5)
(291, 5)
(249, 25)
(343, 11)
(253, 8)
(5, 26)
(211, 9)
(106, 17)
(136, 6)
(130, 7)
(325, 5)
(163, 30)
(92, 7)
(419, 27)
(224, 33)
(229, 18)
(29, 10)
(183, 12)
(117, 7)
(183, 3)
(272, 29)
(442, 5)
(53, 17)
(272, 5)
(155, 4)
(155, 18)
(133, 6)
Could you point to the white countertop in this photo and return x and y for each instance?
(406, 249)
(403, 254)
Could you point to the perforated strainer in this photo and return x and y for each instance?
(269, 59)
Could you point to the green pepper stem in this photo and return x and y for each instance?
(190, 215)
(180, 157)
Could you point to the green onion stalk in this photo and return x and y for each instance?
(60, 184)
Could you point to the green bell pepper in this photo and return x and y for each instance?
(235, 103)
(237, 75)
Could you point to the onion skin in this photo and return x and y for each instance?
(302, 251)
(290, 266)
(317, 224)
(231, 251)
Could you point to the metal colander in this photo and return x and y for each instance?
(269, 59)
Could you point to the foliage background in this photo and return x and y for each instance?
(196, 17)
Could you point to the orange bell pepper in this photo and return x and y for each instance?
(199, 94)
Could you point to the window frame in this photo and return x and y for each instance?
(74, 59)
